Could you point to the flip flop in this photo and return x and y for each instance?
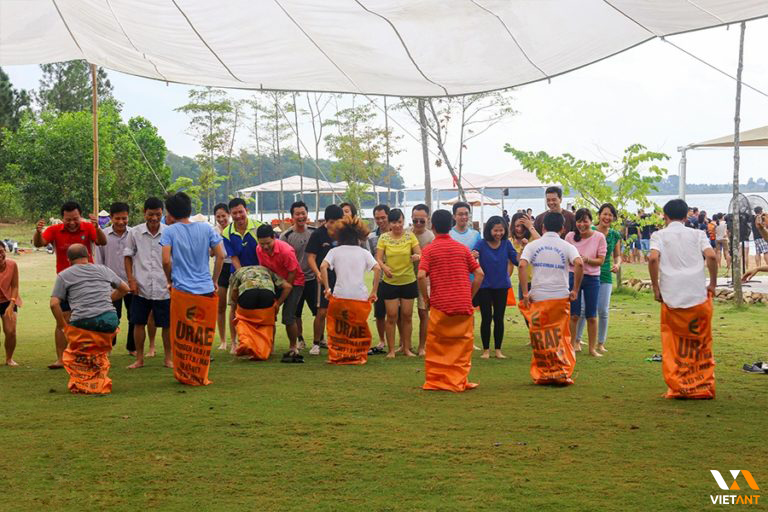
(55, 366)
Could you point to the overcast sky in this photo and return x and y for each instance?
(653, 94)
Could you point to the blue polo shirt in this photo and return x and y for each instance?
(244, 247)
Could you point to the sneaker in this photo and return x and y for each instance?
(315, 350)
(758, 367)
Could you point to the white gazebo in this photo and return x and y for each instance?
(474, 199)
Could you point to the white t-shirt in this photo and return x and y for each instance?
(681, 264)
(550, 256)
(350, 262)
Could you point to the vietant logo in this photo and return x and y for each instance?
(734, 499)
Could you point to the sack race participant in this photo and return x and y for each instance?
(676, 267)
(194, 304)
(253, 297)
(546, 306)
(193, 327)
(349, 337)
(448, 294)
(553, 358)
(90, 291)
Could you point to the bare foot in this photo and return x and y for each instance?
(477, 348)
(222, 346)
(168, 364)
(595, 353)
(577, 347)
(602, 348)
(410, 354)
(234, 350)
(132, 353)
(58, 365)
(381, 346)
(486, 354)
(399, 350)
(137, 364)
(11, 362)
(151, 353)
(390, 355)
(422, 353)
(499, 355)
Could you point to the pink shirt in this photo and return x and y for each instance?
(593, 247)
(282, 261)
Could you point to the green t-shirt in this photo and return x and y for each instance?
(606, 276)
(398, 256)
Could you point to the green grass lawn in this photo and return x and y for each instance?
(269, 436)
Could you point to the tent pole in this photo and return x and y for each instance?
(735, 265)
(683, 172)
(482, 208)
(95, 112)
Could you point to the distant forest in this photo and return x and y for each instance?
(248, 170)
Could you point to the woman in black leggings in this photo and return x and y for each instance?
(497, 259)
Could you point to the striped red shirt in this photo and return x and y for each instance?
(448, 265)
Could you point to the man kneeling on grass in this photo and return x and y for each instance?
(676, 264)
(90, 291)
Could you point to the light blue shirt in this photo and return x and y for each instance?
(468, 239)
(190, 245)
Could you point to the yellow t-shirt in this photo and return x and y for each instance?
(398, 256)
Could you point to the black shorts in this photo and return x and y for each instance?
(226, 271)
(4, 307)
(256, 298)
(394, 292)
(141, 308)
(310, 297)
(322, 302)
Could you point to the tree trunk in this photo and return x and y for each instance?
(229, 154)
(386, 150)
(736, 261)
(425, 153)
(441, 147)
(298, 148)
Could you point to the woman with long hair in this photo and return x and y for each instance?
(401, 249)
(606, 216)
(521, 232)
(498, 260)
(221, 214)
(592, 247)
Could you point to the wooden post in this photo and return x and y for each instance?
(736, 263)
(95, 111)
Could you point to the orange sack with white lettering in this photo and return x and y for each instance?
(448, 359)
(193, 325)
(686, 343)
(255, 332)
(553, 358)
(349, 337)
(86, 360)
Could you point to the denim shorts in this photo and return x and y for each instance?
(590, 289)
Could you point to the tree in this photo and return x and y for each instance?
(357, 148)
(187, 185)
(422, 111)
(317, 104)
(50, 160)
(66, 87)
(210, 110)
(276, 132)
(13, 103)
(208, 182)
(235, 120)
(470, 116)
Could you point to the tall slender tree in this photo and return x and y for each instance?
(66, 86)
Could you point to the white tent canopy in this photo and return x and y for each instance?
(294, 184)
(474, 199)
(390, 47)
(517, 178)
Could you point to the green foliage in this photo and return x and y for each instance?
(187, 185)
(209, 109)
(13, 103)
(51, 160)
(633, 179)
(11, 206)
(67, 87)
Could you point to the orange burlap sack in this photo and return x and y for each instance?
(193, 325)
(450, 342)
(511, 300)
(86, 360)
(549, 328)
(255, 332)
(349, 337)
(686, 343)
